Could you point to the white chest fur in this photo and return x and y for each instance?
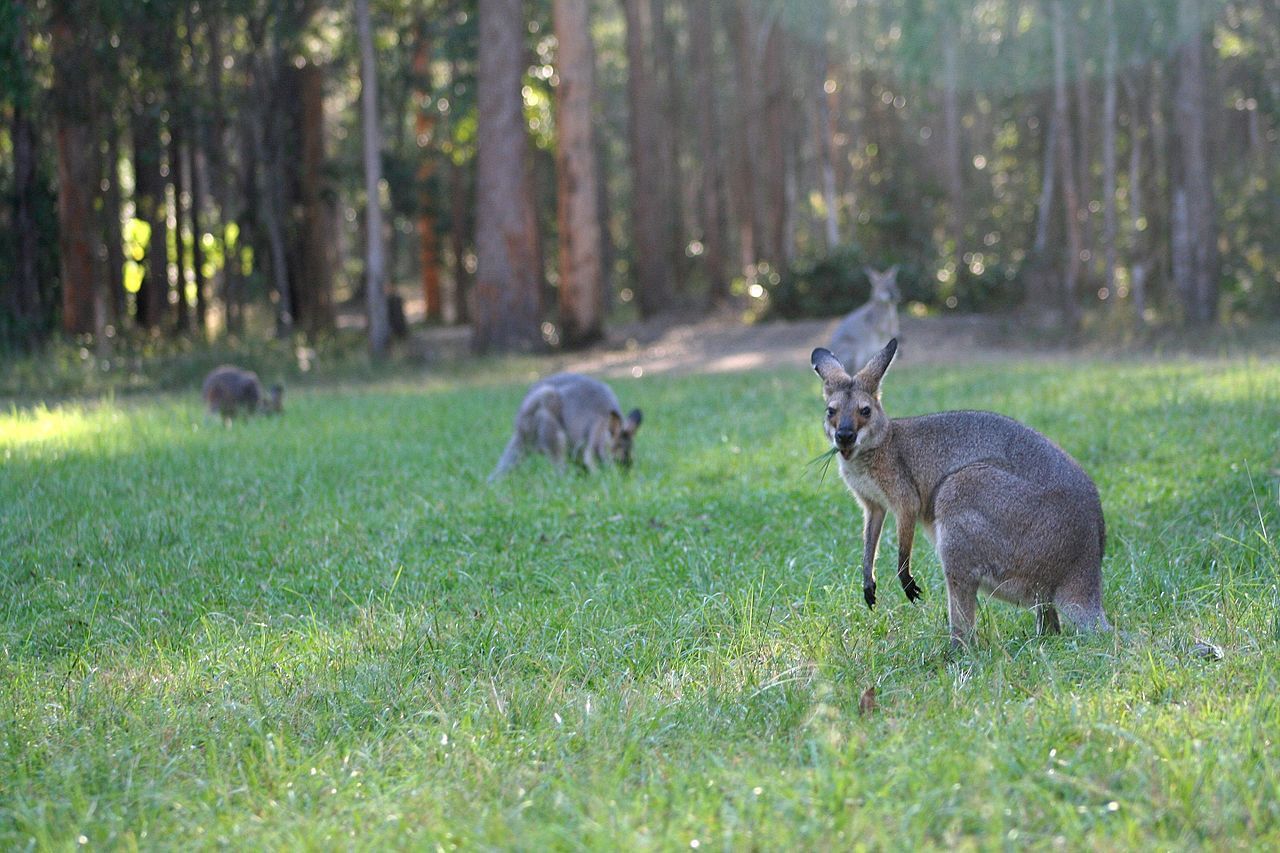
(859, 481)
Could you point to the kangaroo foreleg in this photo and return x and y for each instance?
(872, 523)
(906, 534)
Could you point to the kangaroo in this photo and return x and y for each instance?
(574, 416)
(230, 390)
(1008, 511)
(863, 332)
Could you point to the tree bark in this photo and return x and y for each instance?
(150, 207)
(711, 192)
(77, 176)
(1109, 222)
(424, 129)
(776, 120)
(221, 166)
(954, 147)
(824, 133)
(313, 279)
(1140, 261)
(177, 128)
(1066, 166)
(581, 284)
(379, 322)
(24, 301)
(507, 292)
(650, 225)
(1198, 278)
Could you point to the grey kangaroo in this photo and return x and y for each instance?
(229, 391)
(1009, 512)
(574, 416)
(863, 332)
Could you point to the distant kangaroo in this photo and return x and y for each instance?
(863, 332)
(1008, 511)
(574, 416)
(229, 391)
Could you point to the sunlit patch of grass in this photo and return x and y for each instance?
(297, 629)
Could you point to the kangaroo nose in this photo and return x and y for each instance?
(845, 437)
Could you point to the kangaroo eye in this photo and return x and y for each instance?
(831, 412)
(865, 411)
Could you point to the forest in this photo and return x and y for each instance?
(223, 169)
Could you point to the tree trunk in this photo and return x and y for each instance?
(507, 292)
(1198, 280)
(1071, 206)
(668, 92)
(711, 192)
(743, 147)
(1048, 178)
(149, 205)
(313, 279)
(953, 152)
(775, 120)
(24, 301)
(424, 128)
(1140, 262)
(824, 133)
(77, 176)
(379, 322)
(581, 284)
(177, 122)
(113, 236)
(265, 133)
(651, 234)
(1109, 224)
(220, 165)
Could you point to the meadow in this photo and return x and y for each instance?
(326, 630)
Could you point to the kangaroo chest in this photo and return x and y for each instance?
(862, 483)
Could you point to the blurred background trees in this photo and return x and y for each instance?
(194, 169)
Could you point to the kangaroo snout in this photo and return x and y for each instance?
(845, 437)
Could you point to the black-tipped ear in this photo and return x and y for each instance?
(615, 423)
(870, 375)
(826, 365)
(635, 418)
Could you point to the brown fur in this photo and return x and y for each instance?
(1009, 512)
(230, 391)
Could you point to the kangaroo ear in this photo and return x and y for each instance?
(634, 419)
(615, 424)
(891, 273)
(827, 366)
(870, 375)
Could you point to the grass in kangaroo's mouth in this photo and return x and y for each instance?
(823, 459)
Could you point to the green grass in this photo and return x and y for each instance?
(327, 630)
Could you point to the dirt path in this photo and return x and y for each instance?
(721, 345)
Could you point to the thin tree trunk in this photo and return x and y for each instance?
(668, 93)
(1109, 222)
(197, 247)
(650, 246)
(113, 236)
(1048, 178)
(1200, 289)
(76, 176)
(954, 147)
(264, 131)
(826, 151)
(24, 302)
(1140, 263)
(711, 193)
(742, 181)
(379, 322)
(1071, 207)
(313, 277)
(221, 166)
(1084, 133)
(581, 285)
(182, 309)
(776, 120)
(424, 129)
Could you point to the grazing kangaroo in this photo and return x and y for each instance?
(1008, 511)
(863, 332)
(571, 415)
(229, 391)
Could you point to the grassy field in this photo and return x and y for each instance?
(326, 630)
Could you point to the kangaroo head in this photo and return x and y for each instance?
(273, 403)
(884, 285)
(855, 420)
(623, 433)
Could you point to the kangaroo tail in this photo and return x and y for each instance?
(510, 457)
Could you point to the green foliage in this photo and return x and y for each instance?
(325, 630)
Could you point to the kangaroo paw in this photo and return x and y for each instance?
(914, 593)
(869, 593)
